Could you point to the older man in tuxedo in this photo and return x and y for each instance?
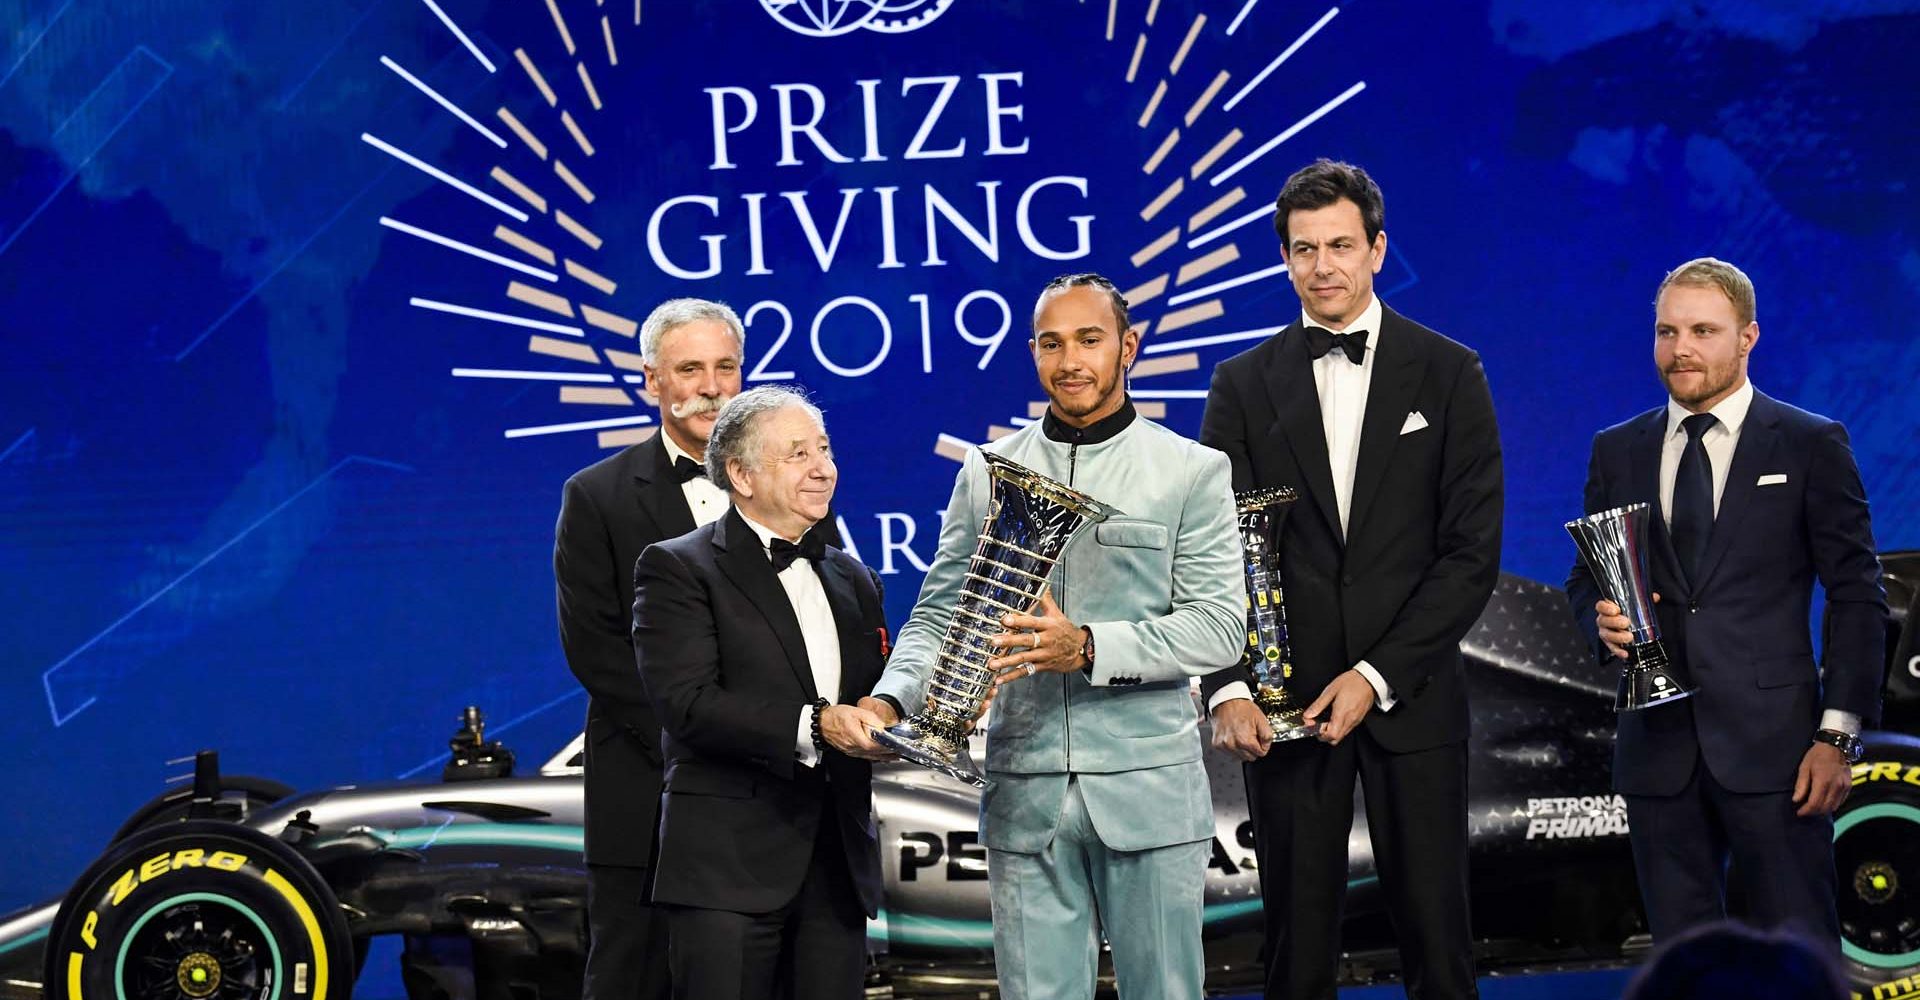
(1755, 500)
(1386, 429)
(754, 638)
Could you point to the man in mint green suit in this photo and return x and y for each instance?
(1096, 815)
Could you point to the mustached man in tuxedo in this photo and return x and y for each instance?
(755, 639)
(1386, 429)
(1754, 501)
(612, 510)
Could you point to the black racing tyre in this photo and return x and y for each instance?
(1876, 857)
(199, 910)
(240, 795)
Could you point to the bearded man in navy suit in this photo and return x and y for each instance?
(1755, 501)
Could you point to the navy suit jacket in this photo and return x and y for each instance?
(1742, 631)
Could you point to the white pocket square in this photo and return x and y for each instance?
(1772, 479)
(1414, 422)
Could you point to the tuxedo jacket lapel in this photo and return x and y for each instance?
(1397, 371)
(1649, 441)
(1297, 403)
(1751, 458)
(743, 559)
(658, 492)
(837, 579)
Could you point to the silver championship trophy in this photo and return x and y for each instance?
(1029, 521)
(1268, 655)
(1613, 544)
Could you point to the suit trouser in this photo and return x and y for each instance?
(1050, 908)
(1301, 799)
(627, 950)
(1681, 844)
(813, 948)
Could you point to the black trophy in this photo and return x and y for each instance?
(1268, 655)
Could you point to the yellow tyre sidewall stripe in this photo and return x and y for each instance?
(307, 920)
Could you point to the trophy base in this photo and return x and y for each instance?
(1287, 719)
(918, 743)
(1649, 680)
(1289, 726)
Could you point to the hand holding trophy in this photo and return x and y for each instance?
(1613, 544)
(1268, 654)
(1029, 521)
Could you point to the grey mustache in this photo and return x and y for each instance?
(697, 406)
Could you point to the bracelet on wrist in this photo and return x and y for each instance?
(819, 741)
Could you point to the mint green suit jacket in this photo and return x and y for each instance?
(1160, 586)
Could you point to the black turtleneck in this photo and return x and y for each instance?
(1100, 430)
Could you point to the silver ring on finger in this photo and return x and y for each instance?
(1029, 670)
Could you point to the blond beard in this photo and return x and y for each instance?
(1712, 383)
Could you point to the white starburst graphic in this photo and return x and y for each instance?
(538, 195)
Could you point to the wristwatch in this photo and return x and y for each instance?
(1086, 650)
(1847, 743)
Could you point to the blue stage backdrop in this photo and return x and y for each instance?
(311, 308)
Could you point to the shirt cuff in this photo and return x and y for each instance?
(1846, 722)
(1382, 691)
(1232, 692)
(803, 749)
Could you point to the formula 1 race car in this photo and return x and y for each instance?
(237, 887)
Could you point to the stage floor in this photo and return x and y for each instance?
(379, 981)
(1598, 984)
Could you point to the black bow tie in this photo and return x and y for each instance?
(686, 468)
(1354, 342)
(783, 552)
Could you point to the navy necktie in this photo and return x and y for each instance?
(1693, 498)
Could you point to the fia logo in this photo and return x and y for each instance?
(827, 18)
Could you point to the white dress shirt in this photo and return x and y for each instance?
(704, 499)
(1720, 440)
(817, 630)
(1342, 387)
(1729, 415)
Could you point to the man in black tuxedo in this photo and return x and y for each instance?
(1753, 501)
(1386, 429)
(755, 639)
(610, 512)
